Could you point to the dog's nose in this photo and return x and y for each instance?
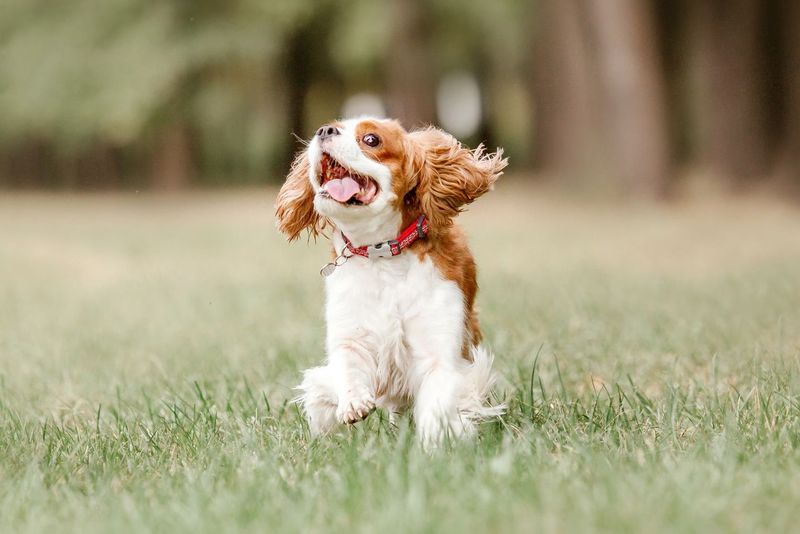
(327, 131)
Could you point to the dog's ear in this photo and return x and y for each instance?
(449, 176)
(294, 206)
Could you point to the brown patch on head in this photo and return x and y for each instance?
(390, 149)
(394, 150)
(432, 173)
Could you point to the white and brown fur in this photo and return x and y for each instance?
(402, 332)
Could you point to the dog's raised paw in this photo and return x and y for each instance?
(354, 409)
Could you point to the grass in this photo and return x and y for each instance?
(650, 358)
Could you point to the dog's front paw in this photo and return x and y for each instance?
(354, 408)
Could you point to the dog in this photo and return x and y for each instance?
(402, 330)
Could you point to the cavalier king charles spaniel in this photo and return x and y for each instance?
(402, 330)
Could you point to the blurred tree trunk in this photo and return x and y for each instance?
(564, 119)
(672, 31)
(298, 79)
(97, 167)
(31, 163)
(731, 111)
(632, 92)
(789, 167)
(486, 76)
(411, 83)
(173, 162)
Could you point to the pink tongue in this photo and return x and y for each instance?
(342, 190)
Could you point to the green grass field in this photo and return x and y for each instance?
(650, 357)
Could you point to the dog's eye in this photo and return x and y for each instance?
(371, 140)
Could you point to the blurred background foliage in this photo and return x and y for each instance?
(627, 96)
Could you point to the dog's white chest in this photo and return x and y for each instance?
(373, 291)
(377, 304)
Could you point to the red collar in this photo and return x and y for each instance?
(386, 249)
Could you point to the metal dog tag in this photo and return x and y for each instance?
(328, 269)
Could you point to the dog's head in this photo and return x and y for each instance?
(370, 177)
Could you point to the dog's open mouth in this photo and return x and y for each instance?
(343, 185)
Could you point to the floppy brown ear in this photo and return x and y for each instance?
(294, 206)
(450, 175)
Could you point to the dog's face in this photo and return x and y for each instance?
(355, 168)
(370, 177)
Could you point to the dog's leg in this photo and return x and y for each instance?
(436, 410)
(339, 392)
(319, 399)
(354, 380)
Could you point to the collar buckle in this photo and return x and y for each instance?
(422, 231)
(384, 250)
